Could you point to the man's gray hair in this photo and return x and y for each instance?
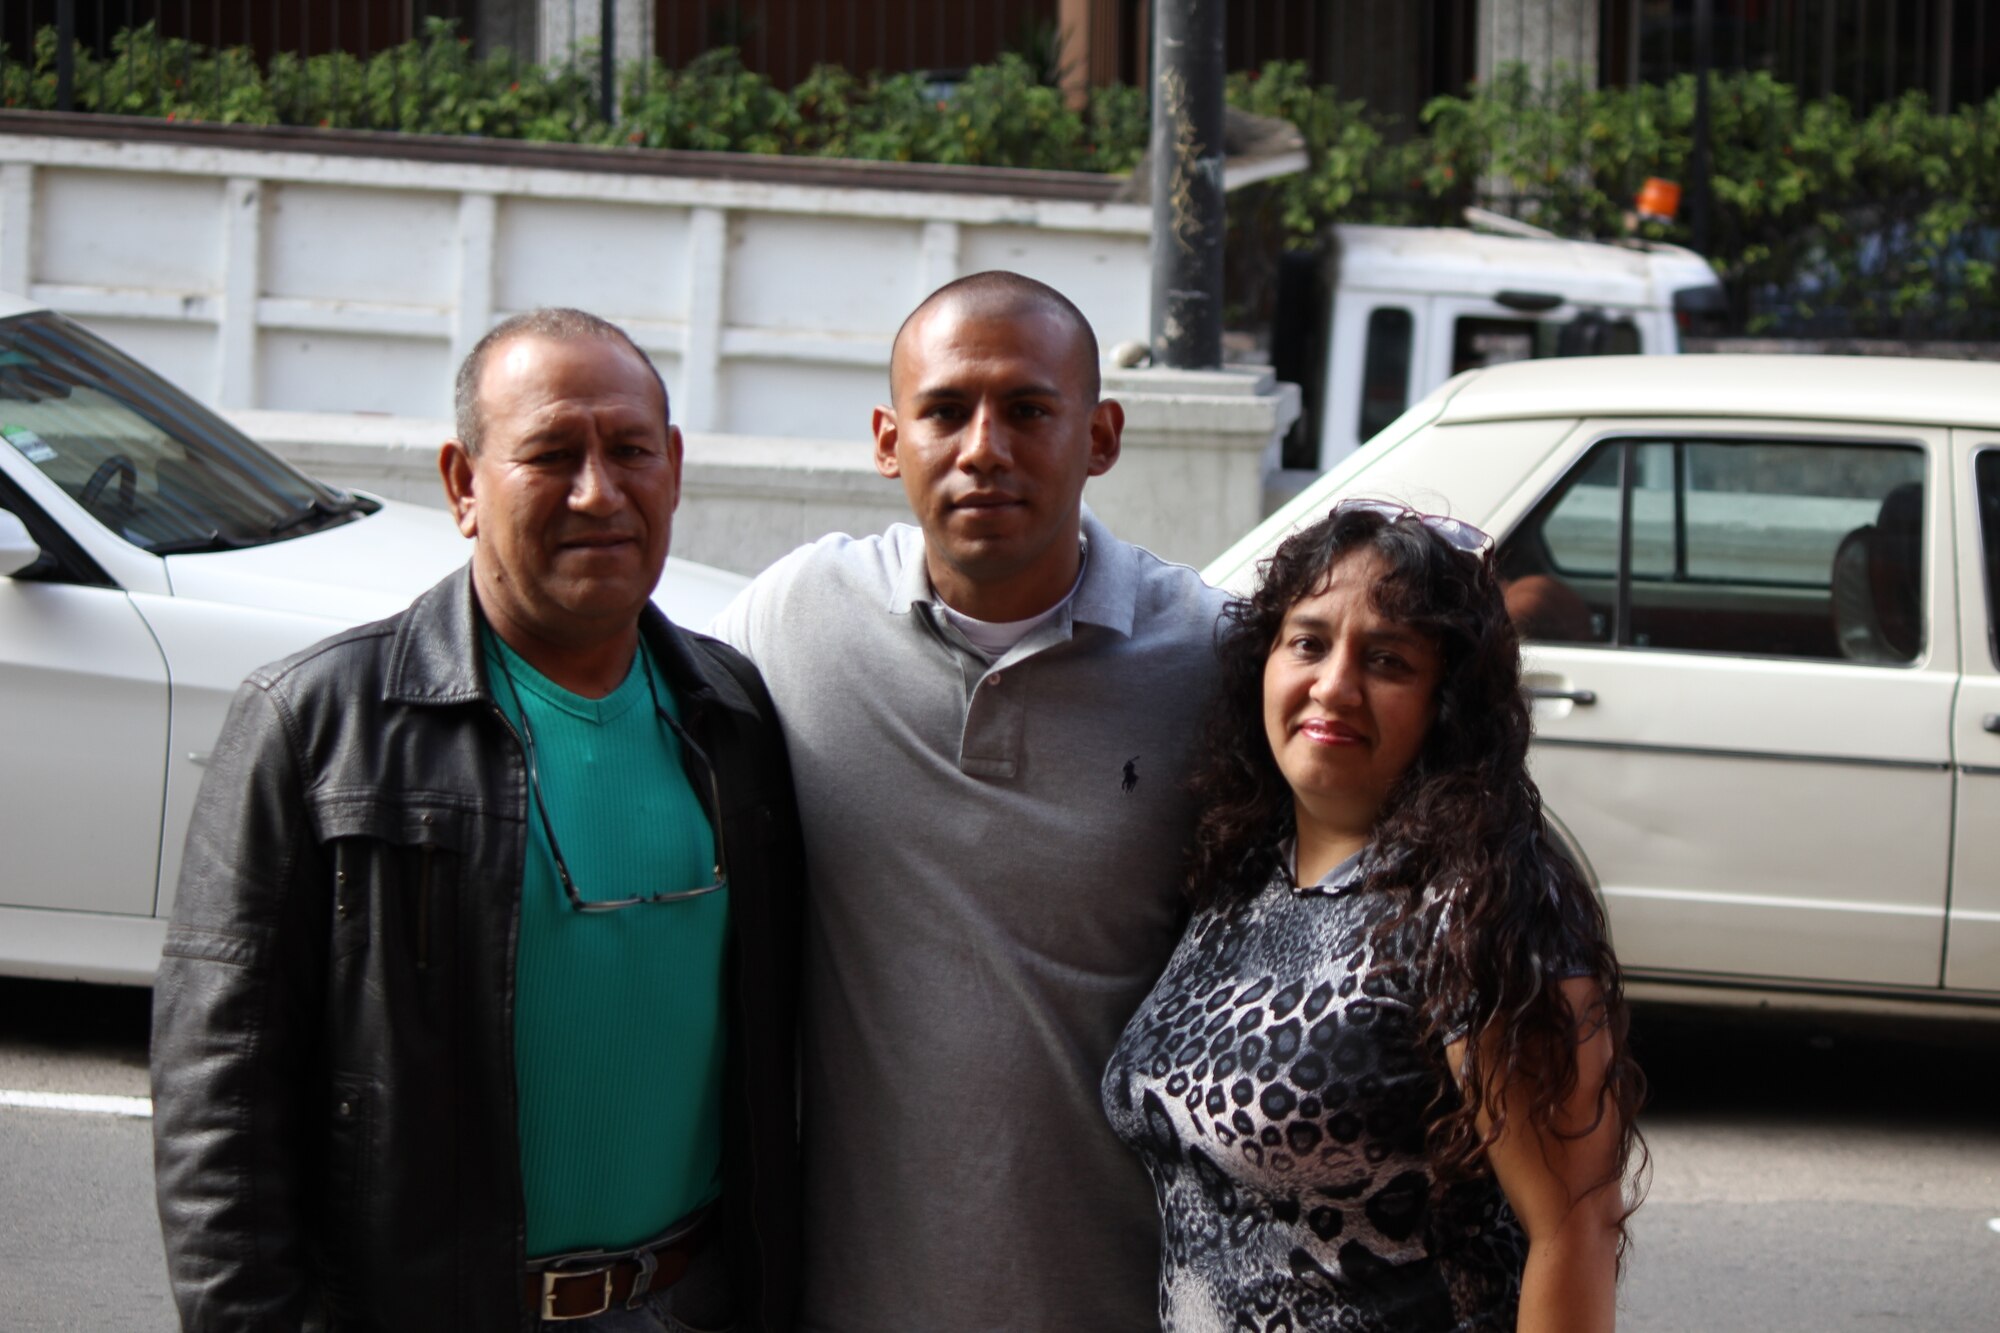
(555, 323)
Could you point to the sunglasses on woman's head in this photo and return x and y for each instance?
(1458, 534)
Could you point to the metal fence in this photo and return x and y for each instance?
(265, 27)
(1865, 51)
(784, 39)
(88, 36)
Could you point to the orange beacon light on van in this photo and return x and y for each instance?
(1659, 199)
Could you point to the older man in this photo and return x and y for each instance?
(990, 715)
(477, 1006)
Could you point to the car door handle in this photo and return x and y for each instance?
(1991, 722)
(1581, 698)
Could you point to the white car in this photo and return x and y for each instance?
(150, 557)
(1760, 599)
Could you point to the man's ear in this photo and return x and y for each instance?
(1107, 428)
(674, 453)
(455, 467)
(884, 423)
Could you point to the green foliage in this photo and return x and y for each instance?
(999, 115)
(1876, 223)
(1003, 114)
(146, 75)
(433, 85)
(1352, 165)
(712, 103)
(1876, 219)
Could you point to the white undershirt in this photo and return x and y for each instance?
(996, 638)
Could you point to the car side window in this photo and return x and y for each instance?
(1385, 368)
(1478, 341)
(1560, 569)
(1748, 547)
(1986, 484)
(1481, 340)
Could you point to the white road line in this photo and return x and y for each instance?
(141, 1107)
(1993, 1224)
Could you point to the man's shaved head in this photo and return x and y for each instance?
(999, 294)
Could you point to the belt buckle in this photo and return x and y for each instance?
(642, 1281)
(552, 1275)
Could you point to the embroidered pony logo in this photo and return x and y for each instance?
(1131, 778)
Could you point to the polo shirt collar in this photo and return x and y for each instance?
(912, 584)
(1105, 596)
(1110, 586)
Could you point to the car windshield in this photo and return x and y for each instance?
(143, 458)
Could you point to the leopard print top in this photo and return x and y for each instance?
(1275, 1086)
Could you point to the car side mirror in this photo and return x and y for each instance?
(17, 548)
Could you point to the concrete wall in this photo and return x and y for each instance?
(569, 31)
(745, 500)
(1190, 480)
(1545, 35)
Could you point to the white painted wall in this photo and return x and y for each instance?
(324, 300)
(1190, 480)
(284, 280)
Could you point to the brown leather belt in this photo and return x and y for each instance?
(578, 1286)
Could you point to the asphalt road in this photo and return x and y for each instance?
(1809, 1174)
(1818, 1175)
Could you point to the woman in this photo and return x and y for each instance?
(1383, 1082)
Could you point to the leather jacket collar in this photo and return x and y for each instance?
(434, 657)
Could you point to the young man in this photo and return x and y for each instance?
(485, 945)
(989, 716)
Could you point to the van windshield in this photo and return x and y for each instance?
(142, 458)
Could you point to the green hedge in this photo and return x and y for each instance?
(1870, 221)
(1887, 222)
(1000, 115)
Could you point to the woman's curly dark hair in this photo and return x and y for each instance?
(1465, 816)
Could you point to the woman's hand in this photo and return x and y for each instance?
(1561, 1180)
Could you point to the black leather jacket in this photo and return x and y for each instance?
(333, 1030)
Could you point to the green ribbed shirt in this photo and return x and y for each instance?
(618, 1035)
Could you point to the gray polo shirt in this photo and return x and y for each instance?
(995, 853)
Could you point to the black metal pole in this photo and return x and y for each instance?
(65, 55)
(1702, 210)
(607, 59)
(1941, 101)
(1187, 184)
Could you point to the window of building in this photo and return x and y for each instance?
(1752, 547)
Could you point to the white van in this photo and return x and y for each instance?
(1384, 315)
